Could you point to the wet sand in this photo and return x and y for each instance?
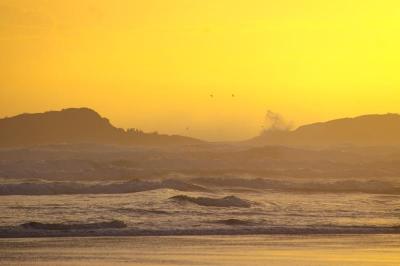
(204, 250)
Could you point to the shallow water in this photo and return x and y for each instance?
(280, 250)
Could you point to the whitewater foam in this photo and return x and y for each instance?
(235, 228)
(172, 212)
(70, 188)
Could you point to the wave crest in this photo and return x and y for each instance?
(18, 231)
(78, 226)
(70, 188)
(235, 222)
(229, 201)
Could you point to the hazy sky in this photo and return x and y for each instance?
(154, 64)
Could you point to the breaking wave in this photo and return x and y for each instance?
(58, 188)
(79, 226)
(373, 186)
(229, 201)
(244, 229)
(201, 184)
(235, 222)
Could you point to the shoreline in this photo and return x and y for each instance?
(279, 250)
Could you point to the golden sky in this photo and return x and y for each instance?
(153, 64)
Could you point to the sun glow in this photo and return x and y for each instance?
(155, 64)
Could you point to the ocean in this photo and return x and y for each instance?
(240, 206)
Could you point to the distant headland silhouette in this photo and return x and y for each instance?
(366, 130)
(84, 125)
(76, 125)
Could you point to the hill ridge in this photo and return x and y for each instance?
(75, 125)
(364, 130)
